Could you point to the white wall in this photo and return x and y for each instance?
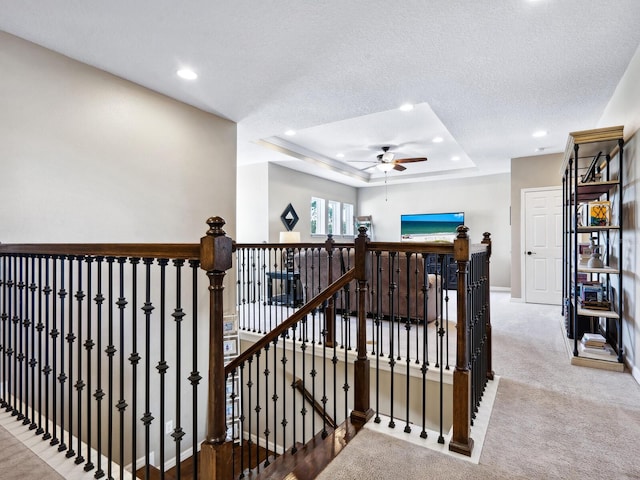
(89, 157)
(484, 200)
(624, 109)
(253, 203)
(290, 186)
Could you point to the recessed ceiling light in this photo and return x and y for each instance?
(340, 155)
(455, 158)
(290, 132)
(407, 107)
(187, 74)
(437, 140)
(539, 133)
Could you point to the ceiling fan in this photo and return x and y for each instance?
(386, 161)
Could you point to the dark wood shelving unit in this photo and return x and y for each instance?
(592, 171)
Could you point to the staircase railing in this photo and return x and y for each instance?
(103, 347)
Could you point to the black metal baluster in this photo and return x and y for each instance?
(441, 333)
(47, 367)
(11, 343)
(70, 338)
(275, 397)
(378, 269)
(324, 375)
(334, 362)
(257, 410)
(3, 319)
(19, 332)
(178, 315)
(55, 333)
(162, 366)
(33, 362)
(134, 359)
(266, 432)
(88, 345)
(392, 317)
(294, 449)
(445, 307)
(24, 334)
(425, 341)
(110, 351)
(195, 376)
(40, 327)
(80, 382)
(62, 377)
(99, 393)
(147, 418)
(249, 403)
(407, 326)
(284, 421)
(303, 349)
(241, 419)
(122, 404)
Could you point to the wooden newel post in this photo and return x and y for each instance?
(362, 410)
(330, 312)
(487, 241)
(216, 251)
(461, 441)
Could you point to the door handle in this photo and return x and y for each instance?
(531, 253)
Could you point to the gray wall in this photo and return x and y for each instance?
(290, 186)
(89, 157)
(484, 200)
(528, 172)
(624, 109)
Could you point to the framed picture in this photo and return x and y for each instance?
(230, 347)
(233, 387)
(233, 430)
(229, 327)
(232, 408)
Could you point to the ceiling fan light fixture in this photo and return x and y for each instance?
(387, 157)
(385, 167)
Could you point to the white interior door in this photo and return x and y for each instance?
(543, 245)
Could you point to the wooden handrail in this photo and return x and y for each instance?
(185, 251)
(291, 321)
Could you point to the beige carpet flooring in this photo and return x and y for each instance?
(550, 420)
(19, 463)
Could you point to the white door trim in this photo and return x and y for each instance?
(523, 239)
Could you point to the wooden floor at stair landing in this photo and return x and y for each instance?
(308, 462)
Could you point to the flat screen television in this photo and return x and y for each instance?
(430, 227)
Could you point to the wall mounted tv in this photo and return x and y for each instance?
(430, 227)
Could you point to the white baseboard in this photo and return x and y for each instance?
(500, 289)
(635, 371)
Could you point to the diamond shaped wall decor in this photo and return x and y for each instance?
(289, 217)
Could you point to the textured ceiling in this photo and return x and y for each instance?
(488, 73)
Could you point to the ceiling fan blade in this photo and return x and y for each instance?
(411, 160)
(399, 168)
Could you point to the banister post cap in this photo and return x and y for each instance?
(215, 247)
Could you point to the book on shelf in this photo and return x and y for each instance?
(598, 353)
(593, 340)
